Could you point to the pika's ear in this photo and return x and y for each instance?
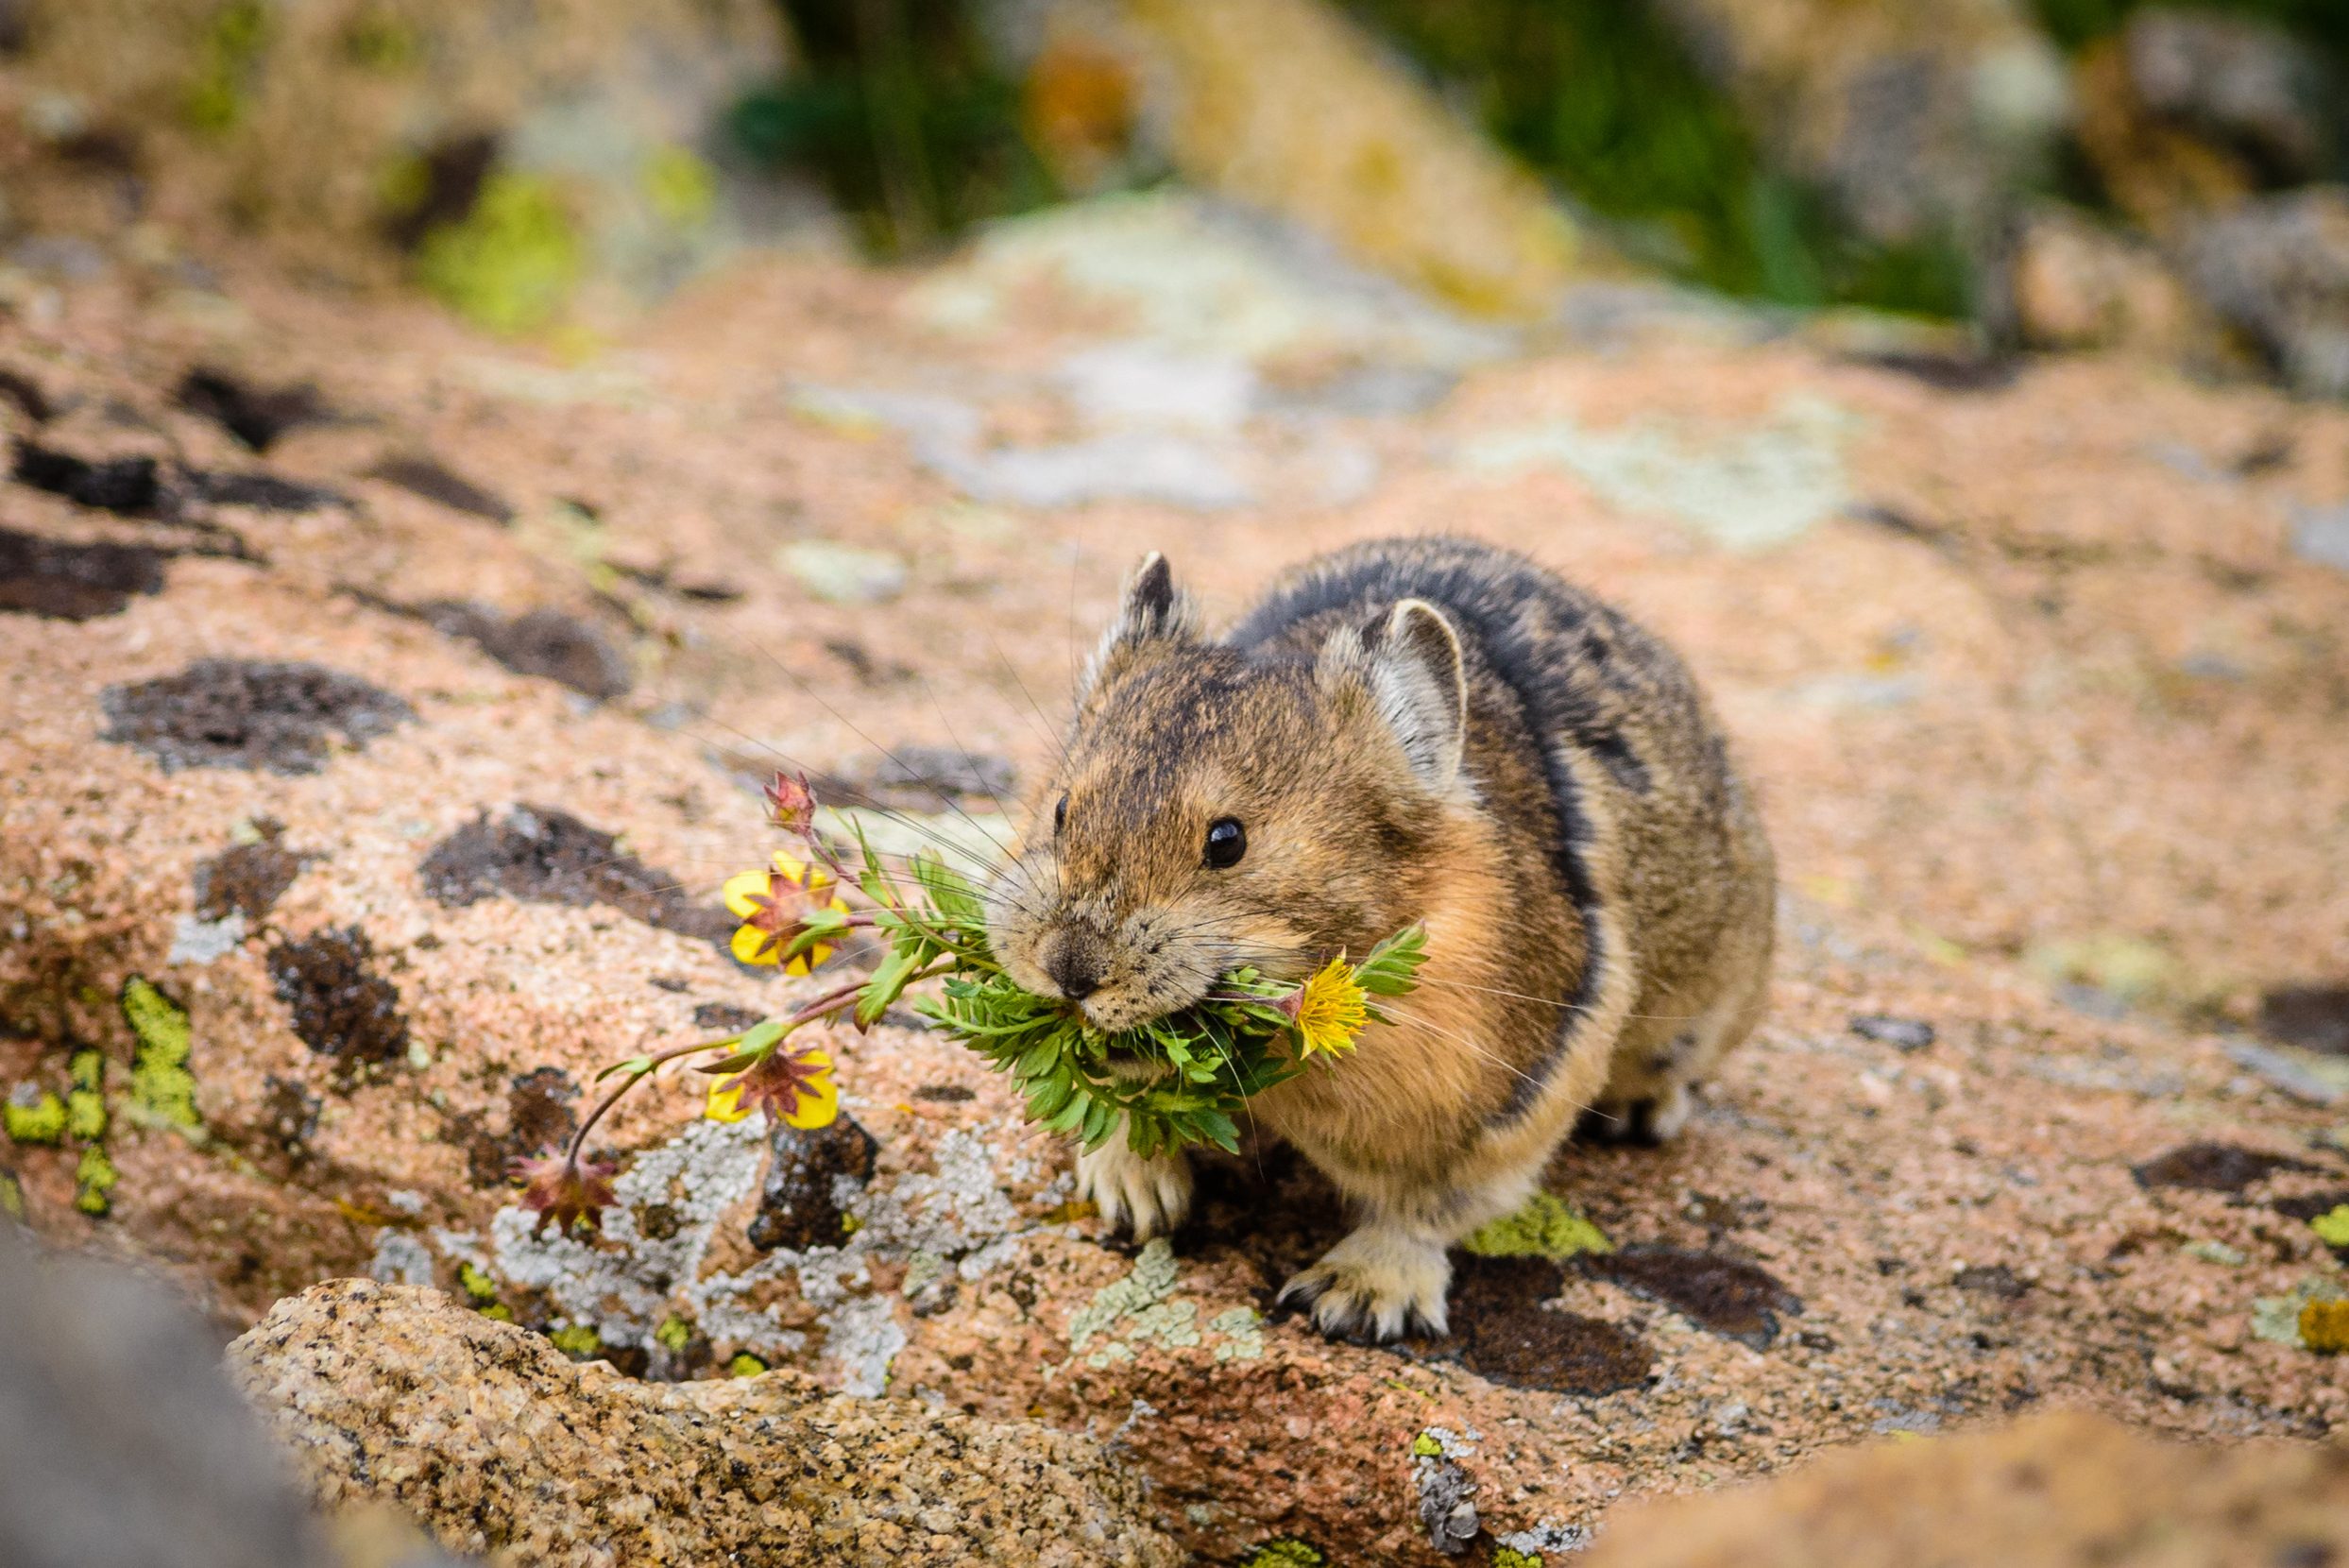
(1152, 611)
(1410, 664)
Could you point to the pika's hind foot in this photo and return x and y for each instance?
(1380, 1281)
(1153, 1196)
(1643, 1123)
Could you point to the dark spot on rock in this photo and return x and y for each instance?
(26, 395)
(922, 778)
(675, 984)
(1501, 1331)
(1730, 1297)
(944, 1094)
(547, 857)
(538, 1110)
(1907, 1034)
(129, 485)
(1728, 1214)
(1995, 1280)
(798, 1208)
(725, 1017)
(2314, 1017)
(289, 1117)
(244, 713)
(659, 1221)
(1894, 519)
(103, 149)
(1891, 1266)
(704, 591)
(2306, 1553)
(265, 492)
(256, 415)
(342, 1007)
(1948, 372)
(2212, 1167)
(74, 581)
(2312, 1205)
(1811, 1338)
(247, 879)
(543, 642)
(453, 172)
(421, 476)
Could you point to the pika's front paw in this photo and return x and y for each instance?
(1153, 1196)
(1380, 1282)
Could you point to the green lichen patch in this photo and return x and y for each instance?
(1427, 1446)
(2332, 1228)
(163, 1090)
(673, 1335)
(227, 58)
(1285, 1552)
(745, 1365)
(1134, 1311)
(680, 187)
(94, 1179)
(2277, 1319)
(510, 264)
(85, 1103)
(1242, 1328)
(11, 1195)
(476, 1285)
(33, 1115)
(1509, 1557)
(1544, 1227)
(580, 1341)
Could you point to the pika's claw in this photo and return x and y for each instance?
(1153, 1196)
(1383, 1283)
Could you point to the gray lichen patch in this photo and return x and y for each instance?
(545, 856)
(280, 718)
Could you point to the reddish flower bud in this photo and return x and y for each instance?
(567, 1190)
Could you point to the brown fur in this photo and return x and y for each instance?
(1410, 730)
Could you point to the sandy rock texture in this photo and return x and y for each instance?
(323, 901)
(2051, 1492)
(497, 1442)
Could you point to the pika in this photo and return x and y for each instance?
(1424, 730)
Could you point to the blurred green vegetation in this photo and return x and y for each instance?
(2074, 24)
(900, 110)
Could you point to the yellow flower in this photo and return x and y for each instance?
(794, 1085)
(775, 907)
(1328, 1011)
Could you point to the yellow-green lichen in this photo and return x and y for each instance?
(1544, 1227)
(510, 264)
(2332, 1228)
(745, 1365)
(2278, 1318)
(498, 1312)
(11, 1195)
(680, 187)
(475, 1284)
(93, 1179)
(1509, 1557)
(673, 1335)
(1285, 1552)
(163, 1090)
(580, 1341)
(227, 59)
(2325, 1326)
(1427, 1446)
(33, 1115)
(85, 1103)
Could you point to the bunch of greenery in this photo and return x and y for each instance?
(1175, 1081)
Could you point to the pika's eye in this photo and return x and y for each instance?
(1227, 841)
(1060, 814)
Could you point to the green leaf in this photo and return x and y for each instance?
(888, 984)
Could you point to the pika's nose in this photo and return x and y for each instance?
(1074, 961)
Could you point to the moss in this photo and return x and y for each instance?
(93, 1179)
(2332, 1228)
(580, 1341)
(2324, 1327)
(476, 1285)
(1427, 1446)
(1544, 1227)
(1285, 1552)
(163, 1090)
(227, 57)
(33, 1116)
(673, 1335)
(510, 264)
(11, 1195)
(745, 1365)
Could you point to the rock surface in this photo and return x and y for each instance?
(2043, 699)
(499, 1443)
(2066, 1490)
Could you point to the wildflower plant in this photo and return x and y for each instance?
(1174, 1080)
